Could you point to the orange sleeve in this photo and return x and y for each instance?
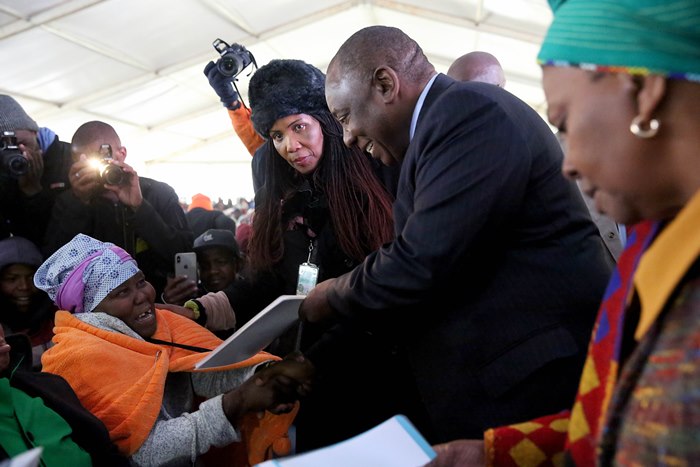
(240, 118)
(537, 442)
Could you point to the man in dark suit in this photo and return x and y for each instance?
(491, 286)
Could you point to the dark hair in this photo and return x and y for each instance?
(360, 207)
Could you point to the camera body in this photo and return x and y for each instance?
(12, 162)
(110, 174)
(234, 58)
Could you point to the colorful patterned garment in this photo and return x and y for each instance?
(655, 412)
(541, 442)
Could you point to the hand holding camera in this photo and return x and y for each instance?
(21, 162)
(221, 75)
(100, 173)
(223, 86)
(12, 161)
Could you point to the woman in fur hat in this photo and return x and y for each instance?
(320, 196)
(322, 210)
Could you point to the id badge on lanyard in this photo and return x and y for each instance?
(308, 274)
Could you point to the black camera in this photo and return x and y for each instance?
(234, 58)
(110, 174)
(12, 162)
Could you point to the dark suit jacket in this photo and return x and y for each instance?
(491, 286)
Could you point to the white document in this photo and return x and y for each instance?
(256, 334)
(393, 443)
(29, 458)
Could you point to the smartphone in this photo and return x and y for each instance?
(186, 265)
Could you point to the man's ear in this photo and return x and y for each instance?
(122, 152)
(651, 93)
(386, 82)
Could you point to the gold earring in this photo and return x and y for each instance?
(639, 132)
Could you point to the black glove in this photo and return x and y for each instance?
(222, 85)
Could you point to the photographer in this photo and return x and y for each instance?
(221, 76)
(109, 201)
(27, 195)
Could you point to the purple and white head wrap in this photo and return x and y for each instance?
(80, 274)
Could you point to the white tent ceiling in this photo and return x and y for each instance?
(137, 64)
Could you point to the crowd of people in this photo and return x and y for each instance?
(523, 297)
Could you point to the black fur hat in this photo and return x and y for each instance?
(285, 87)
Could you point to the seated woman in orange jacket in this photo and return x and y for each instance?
(132, 365)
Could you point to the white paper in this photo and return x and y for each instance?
(29, 458)
(256, 334)
(393, 443)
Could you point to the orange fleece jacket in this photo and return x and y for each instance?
(121, 380)
(240, 119)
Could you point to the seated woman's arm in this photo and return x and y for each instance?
(187, 436)
(209, 384)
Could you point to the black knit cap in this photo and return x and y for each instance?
(282, 88)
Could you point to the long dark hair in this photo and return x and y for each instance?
(360, 207)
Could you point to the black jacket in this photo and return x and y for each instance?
(493, 281)
(200, 220)
(251, 293)
(29, 216)
(88, 431)
(152, 234)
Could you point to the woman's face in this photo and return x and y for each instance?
(17, 285)
(299, 140)
(623, 174)
(132, 302)
(218, 268)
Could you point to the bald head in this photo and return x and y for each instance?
(89, 136)
(478, 66)
(372, 86)
(376, 46)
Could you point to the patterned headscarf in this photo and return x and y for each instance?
(633, 36)
(80, 274)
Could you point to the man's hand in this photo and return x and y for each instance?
(30, 183)
(315, 307)
(222, 86)
(129, 193)
(460, 453)
(84, 179)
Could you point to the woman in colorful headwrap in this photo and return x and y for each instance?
(622, 81)
(132, 365)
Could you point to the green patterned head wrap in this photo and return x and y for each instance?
(633, 36)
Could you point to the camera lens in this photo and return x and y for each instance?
(17, 166)
(14, 164)
(228, 64)
(113, 175)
